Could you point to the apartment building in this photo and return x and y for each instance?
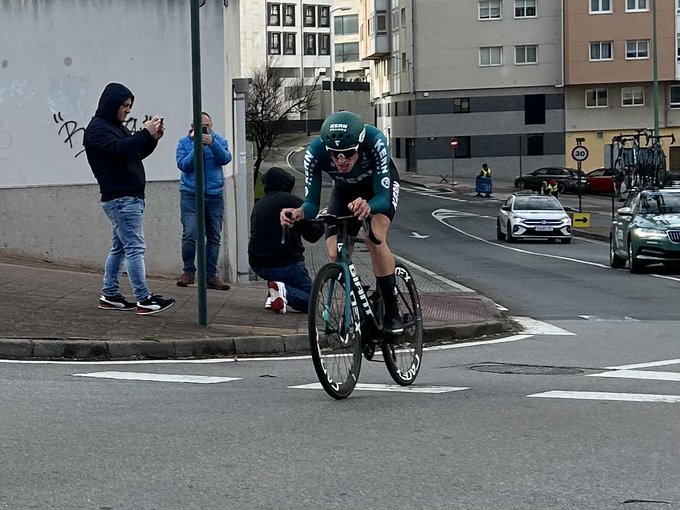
(488, 73)
(298, 36)
(609, 73)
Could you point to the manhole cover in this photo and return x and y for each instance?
(511, 368)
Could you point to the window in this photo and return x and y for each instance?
(403, 18)
(404, 62)
(632, 96)
(526, 54)
(324, 44)
(381, 22)
(637, 49)
(600, 6)
(346, 25)
(309, 16)
(535, 144)
(310, 44)
(289, 15)
(274, 43)
(324, 16)
(289, 43)
(489, 9)
(461, 105)
(636, 5)
(534, 109)
(596, 98)
(675, 96)
(490, 56)
(525, 8)
(601, 50)
(347, 52)
(273, 15)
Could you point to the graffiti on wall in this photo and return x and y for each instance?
(73, 133)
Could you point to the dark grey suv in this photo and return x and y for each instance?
(567, 179)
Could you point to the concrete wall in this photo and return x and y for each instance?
(55, 59)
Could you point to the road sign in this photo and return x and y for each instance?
(580, 219)
(579, 153)
(454, 142)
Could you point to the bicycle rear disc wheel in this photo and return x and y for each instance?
(335, 346)
(403, 358)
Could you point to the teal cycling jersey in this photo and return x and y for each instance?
(373, 165)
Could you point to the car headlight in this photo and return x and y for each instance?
(649, 233)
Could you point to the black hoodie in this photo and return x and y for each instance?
(114, 153)
(265, 249)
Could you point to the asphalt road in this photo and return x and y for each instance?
(582, 411)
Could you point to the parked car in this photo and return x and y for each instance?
(567, 179)
(646, 230)
(602, 180)
(532, 216)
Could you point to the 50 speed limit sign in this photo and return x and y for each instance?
(579, 153)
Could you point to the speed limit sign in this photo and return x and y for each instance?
(579, 153)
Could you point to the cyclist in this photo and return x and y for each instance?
(365, 182)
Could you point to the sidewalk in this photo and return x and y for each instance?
(51, 313)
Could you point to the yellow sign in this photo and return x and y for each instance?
(580, 219)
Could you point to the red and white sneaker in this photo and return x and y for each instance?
(277, 293)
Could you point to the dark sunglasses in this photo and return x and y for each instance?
(345, 153)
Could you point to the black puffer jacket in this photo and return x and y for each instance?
(265, 249)
(114, 153)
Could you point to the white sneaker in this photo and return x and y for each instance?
(268, 301)
(277, 293)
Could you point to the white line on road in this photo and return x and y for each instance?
(648, 364)
(137, 376)
(446, 347)
(389, 387)
(442, 279)
(598, 395)
(534, 327)
(650, 375)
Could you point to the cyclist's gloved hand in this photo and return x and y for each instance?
(360, 208)
(289, 216)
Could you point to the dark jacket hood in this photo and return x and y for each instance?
(113, 96)
(277, 179)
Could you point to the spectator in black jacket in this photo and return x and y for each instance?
(281, 264)
(115, 156)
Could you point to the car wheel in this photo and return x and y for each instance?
(634, 265)
(508, 229)
(614, 260)
(499, 234)
(520, 184)
(561, 188)
(566, 240)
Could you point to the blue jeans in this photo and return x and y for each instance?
(127, 244)
(296, 279)
(214, 214)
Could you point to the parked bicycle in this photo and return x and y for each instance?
(345, 320)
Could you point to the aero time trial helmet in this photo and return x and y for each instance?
(342, 130)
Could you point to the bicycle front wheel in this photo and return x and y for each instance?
(403, 359)
(334, 340)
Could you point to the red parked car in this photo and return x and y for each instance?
(601, 180)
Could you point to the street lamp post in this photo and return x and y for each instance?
(332, 48)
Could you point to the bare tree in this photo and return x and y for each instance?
(270, 102)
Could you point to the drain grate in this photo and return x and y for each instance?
(515, 369)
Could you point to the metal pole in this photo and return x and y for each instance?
(656, 77)
(199, 175)
(453, 159)
(520, 155)
(240, 94)
(332, 61)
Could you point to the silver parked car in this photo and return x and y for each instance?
(531, 216)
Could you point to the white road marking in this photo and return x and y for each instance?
(534, 327)
(388, 387)
(457, 286)
(598, 395)
(604, 319)
(137, 376)
(648, 364)
(416, 235)
(651, 375)
(513, 338)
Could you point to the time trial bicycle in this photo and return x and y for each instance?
(345, 319)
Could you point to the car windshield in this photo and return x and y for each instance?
(660, 203)
(537, 203)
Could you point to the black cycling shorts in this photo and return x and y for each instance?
(343, 194)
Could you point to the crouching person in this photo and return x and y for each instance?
(281, 264)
